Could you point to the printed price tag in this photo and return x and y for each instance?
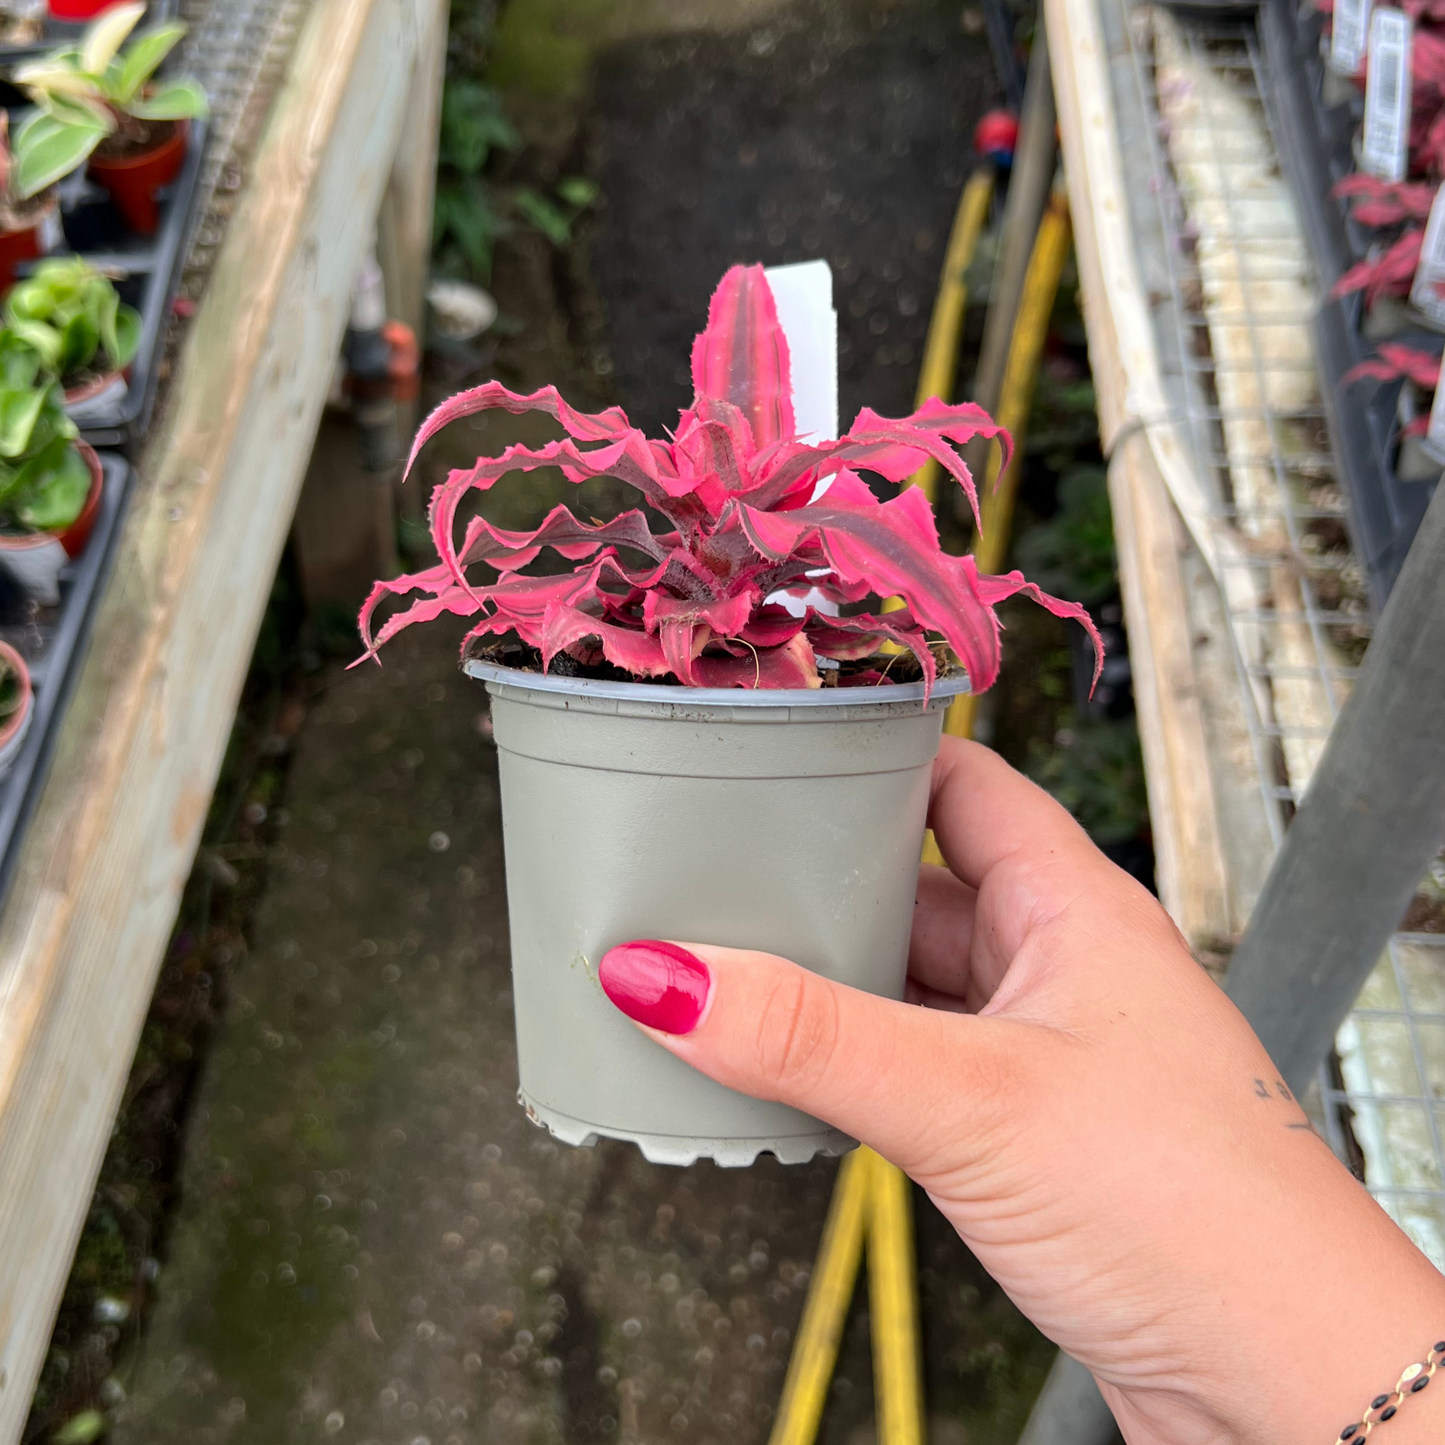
(1430, 273)
(1348, 34)
(1385, 152)
(1435, 432)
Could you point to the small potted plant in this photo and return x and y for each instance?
(71, 315)
(689, 748)
(98, 102)
(29, 224)
(50, 481)
(16, 700)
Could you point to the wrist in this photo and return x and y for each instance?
(1309, 1318)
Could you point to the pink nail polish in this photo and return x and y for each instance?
(656, 983)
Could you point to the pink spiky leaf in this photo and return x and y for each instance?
(790, 666)
(736, 485)
(742, 356)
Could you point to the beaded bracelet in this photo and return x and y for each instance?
(1383, 1407)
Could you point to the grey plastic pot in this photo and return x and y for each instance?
(784, 821)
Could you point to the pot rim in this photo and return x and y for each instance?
(10, 729)
(713, 696)
(137, 159)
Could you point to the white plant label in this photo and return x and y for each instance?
(1348, 36)
(1385, 151)
(1435, 432)
(1430, 273)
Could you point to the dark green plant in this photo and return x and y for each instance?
(472, 211)
(553, 215)
(1072, 554)
(44, 480)
(470, 217)
(1097, 772)
(69, 314)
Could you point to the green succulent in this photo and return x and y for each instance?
(44, 480)
(86, 92)
(70, 313)
(1072, 554)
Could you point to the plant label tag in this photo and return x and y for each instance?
(1435, 432)
(1385, 151)
(1347, 38)
(1430, 273)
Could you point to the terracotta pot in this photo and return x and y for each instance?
(36, 559)
(77, 534)
(14, 728)
(28, 242)
(78, 9)
(134, 180)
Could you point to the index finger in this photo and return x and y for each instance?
(984, 813)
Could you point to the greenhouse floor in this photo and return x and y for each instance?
(375, 1244)
(371, 1243)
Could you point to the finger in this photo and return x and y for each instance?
(898, 1077)
(984, 813)
(1034, 867)
(938, 950)
(925, 997)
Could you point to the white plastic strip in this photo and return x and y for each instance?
(1385, 151)
(1348, 35)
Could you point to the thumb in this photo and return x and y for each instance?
(898, 1077)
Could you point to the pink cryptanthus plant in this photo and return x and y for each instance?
(736, 488)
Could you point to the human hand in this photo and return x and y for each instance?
(1097, 1121)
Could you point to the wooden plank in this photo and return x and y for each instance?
(96, 892)
(1149, 466)
(404, 222)
(1188, 859)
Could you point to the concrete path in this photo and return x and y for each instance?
(374, 1245)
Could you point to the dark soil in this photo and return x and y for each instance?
(837, 131)
(134, 138)
(880, 669)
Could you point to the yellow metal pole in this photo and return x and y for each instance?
(1041, 286)
(945, 326)
(835, 1272)
(893, 1300)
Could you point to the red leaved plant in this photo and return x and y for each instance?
(1383, 203)
(1391, 274)
(1394, 362)
(736, 488)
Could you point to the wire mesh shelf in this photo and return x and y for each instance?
(238, 50)
(1234, 331)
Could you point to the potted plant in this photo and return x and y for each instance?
(29, 225)
(16, 701)
(50, 481)
(99, 102)
(71, 315)
(687, 748)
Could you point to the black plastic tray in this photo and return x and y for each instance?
(54, 647)
(146, 271)
(58, 32)
(1316, 148)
